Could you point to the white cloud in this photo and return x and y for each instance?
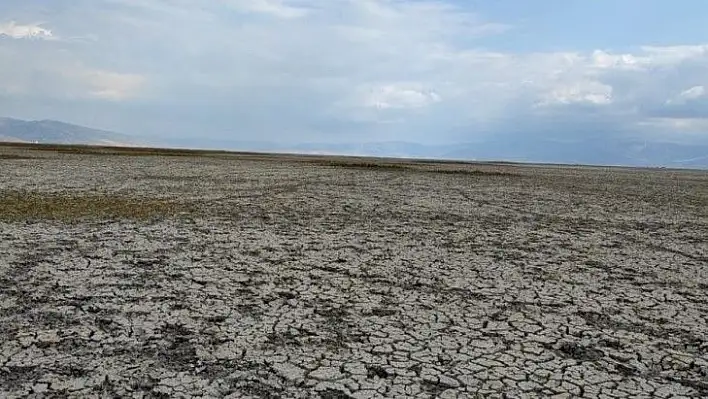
(579, 92)
(329, 65)
(399, 96)
(275, 8)
(672, 55)
(604, 60)
(649, 57)
(52, 75)
(29, 31)
(693, 93)
(108, 85)
(687, 125)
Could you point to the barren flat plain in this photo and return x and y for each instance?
(155, 273)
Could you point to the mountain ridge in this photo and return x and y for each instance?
(621, 152)
(610, 152)
(47, 131)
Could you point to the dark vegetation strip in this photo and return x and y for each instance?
(405, 167)
(390, 164)
(87, 149)
(15, 156)
(109, 150)
(33, 206)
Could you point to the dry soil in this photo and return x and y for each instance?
(148, 274)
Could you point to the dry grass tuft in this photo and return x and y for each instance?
(31, 206)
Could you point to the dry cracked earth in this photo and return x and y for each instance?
(296, 277)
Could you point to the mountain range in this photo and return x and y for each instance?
(620, 152)
(55, 132)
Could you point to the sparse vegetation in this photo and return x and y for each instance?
(26, 205)
(382, 164)
(413, 166)
(15, 156)
(228, 261)
(475, 172)
(343, 163)
(113, 151)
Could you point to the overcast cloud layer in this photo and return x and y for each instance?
(345, 70)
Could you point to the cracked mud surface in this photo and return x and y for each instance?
(288, 279)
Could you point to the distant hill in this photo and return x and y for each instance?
(606, 151)
(55, 132)
(618, 152)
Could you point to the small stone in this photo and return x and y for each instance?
(48, 337)
(622, 357)
(355, 368)
(382, 349)
(326, 374)
(365, 394)
(40, 388)
(448, 394)
(448, 382)
(527, 386)
(289, 371)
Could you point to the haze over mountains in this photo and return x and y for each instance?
(624, 152)
(601, 151)
(55, 132)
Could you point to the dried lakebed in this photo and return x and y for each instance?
(178, 275)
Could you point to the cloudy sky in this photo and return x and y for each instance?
(431, 71)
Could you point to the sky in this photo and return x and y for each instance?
(427, 71)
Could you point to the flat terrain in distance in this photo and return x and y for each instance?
(146, 273)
